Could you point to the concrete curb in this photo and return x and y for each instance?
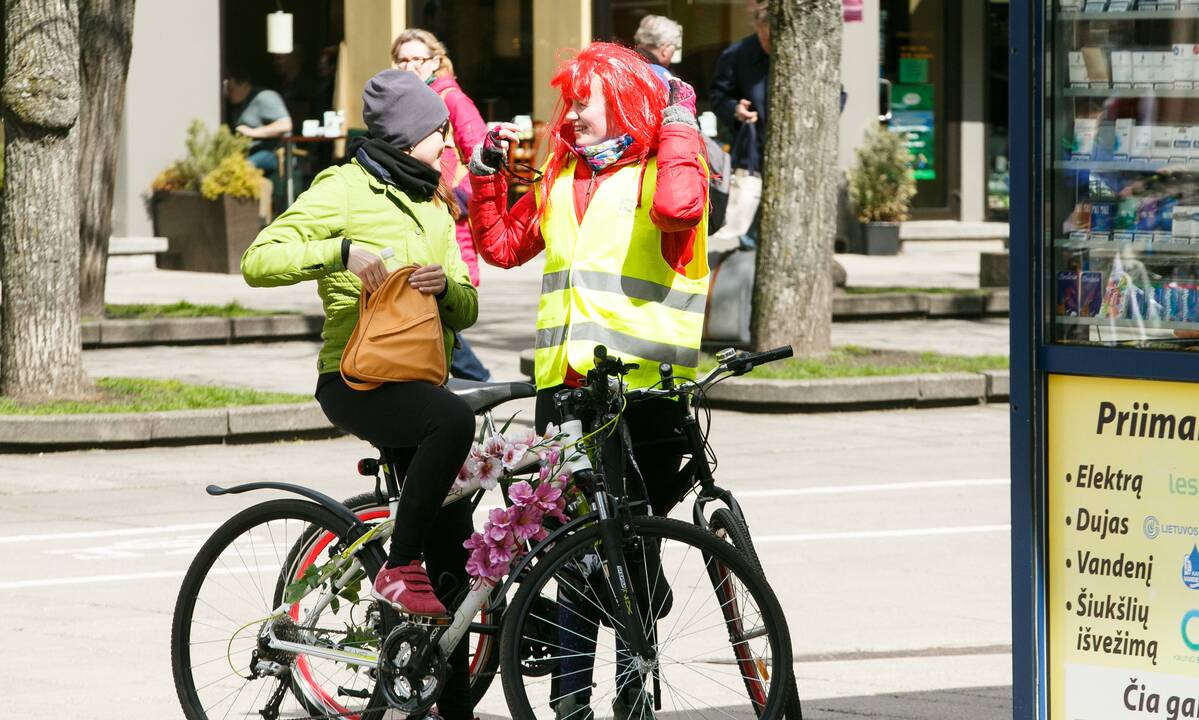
(174, 331)
(853, 393)
(250, 423)
(985, 303)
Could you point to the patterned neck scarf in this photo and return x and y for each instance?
(604, 154)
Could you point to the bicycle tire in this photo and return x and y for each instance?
(312, 516)
(725, 524)
(661, 529)
(485, 661)
(728, 526)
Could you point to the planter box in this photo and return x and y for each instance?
(879, 238)
(204, 235)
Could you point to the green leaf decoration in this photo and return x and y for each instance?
(509, 423)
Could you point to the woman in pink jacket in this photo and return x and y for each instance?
(420, 51)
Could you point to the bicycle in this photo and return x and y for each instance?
(323, 648)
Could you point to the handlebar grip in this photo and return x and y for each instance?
(769, 356)
(601, 354)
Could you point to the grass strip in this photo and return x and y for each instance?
(854, 361)
(124, 395)
(184, 309)
(865, 290)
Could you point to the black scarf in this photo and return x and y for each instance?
(416, 179)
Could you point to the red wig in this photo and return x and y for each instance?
(635, 98)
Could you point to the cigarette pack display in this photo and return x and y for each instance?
(1163, 141)
(1119, 5)
(1121, 67)
(1142, 142)
(1099, 71)
(1103, 217)
(1166, 5)
(1085, 131)
(1090, 297)
(1095, 6)
(1147, 215)
(1067, 294)
(1080, 219)
(1182, 226)
(1178, 302)
(1165, 217)
(1122, 142)
(1126, 213)
(1105, 141)
(1069, 5)
(1142, 67)
(1181, 147)
(1159, 306)
(1113, 297)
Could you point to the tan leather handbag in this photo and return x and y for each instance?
(398, 337)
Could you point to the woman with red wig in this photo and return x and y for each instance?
(620, 211)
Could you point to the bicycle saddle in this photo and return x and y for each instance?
(483, 396)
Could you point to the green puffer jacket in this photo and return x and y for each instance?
(346, 201)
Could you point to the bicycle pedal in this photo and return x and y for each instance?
(430, 621)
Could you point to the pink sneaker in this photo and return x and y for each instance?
(408, 590)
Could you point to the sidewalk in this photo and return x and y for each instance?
(508, 309)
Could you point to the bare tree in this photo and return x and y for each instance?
(793, 294)
(106, 30)
(40, 351)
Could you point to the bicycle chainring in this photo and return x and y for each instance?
(410, 684)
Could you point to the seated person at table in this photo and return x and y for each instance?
(258, 114)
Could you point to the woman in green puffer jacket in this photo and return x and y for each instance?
(387, 197)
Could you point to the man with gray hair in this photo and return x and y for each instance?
(659, 39)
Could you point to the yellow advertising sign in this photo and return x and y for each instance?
(1123, 564)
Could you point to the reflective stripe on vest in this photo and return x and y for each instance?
(607, 283)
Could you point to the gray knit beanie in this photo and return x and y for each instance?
(400, 109)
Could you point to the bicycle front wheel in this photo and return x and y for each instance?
(719, 641)
(234, 608)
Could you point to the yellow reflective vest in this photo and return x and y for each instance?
(606, 283)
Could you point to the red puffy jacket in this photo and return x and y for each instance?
(509, 237)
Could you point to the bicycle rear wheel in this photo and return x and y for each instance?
(483, 647)
(226, 612)
(721, 640)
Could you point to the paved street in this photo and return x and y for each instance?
(884, 533)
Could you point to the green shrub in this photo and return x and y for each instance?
(235, 176)
(881, 182)
(207, 153)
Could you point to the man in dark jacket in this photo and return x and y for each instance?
(739, 90)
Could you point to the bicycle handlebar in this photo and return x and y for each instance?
(730, 364)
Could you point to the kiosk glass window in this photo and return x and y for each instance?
(1122, 183)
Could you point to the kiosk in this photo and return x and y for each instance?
(1105, 358)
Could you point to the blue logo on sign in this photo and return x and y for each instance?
(1190, 569)
(1152, 527)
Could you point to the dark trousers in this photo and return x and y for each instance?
(429, 431)
(658, 450)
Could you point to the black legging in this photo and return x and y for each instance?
(429, 430)
(649, 420)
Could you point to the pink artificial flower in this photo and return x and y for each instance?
(543, 475)
(476, 453)
(494, 446)
(489, 472)
(561, 481)
(468, 472)
(514, 454)
(479, 565)
(527, 437)
(554, 456)
(475, 542)
(551, 431)
(521, 493)
(526, 523)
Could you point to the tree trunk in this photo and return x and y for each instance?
(793, 294)
(106, 30)
(39, 339)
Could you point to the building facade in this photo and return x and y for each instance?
(934, 69)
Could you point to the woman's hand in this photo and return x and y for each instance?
(368, 267)
(429, 279)
(497, 142)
